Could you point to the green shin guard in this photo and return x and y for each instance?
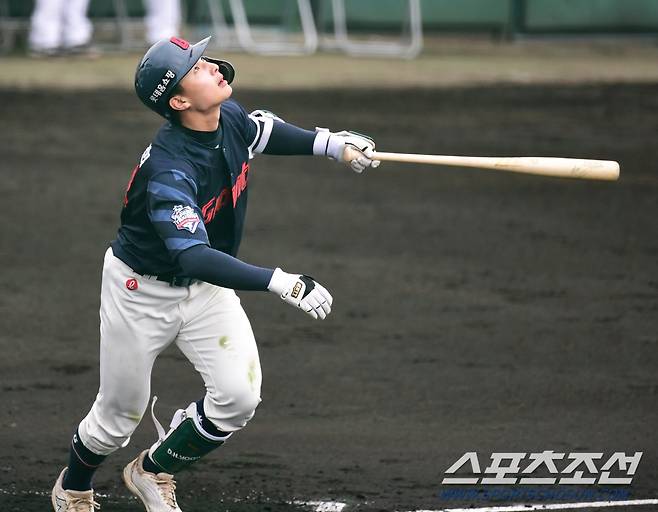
(185, 443)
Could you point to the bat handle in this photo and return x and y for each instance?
(351, 153)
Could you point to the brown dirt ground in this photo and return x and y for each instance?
(474, 311)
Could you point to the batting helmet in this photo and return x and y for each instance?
(164, 65)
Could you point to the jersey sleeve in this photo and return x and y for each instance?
(276, 137)
(288, 139)
(173, 211)
(263, 122)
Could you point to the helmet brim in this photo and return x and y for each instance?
(225, 68)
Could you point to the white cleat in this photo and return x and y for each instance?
(65, 500)
(157, 492)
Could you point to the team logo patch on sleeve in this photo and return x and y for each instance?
(184, 217)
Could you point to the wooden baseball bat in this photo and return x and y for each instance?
(545, 166)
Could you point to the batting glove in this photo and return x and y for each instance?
(302, 292)
(351, 148)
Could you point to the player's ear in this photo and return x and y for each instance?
(179, 102)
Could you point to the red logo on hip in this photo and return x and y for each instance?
(182, 43)
(131, 284)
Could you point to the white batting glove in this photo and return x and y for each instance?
(302, 292)
(351, 148)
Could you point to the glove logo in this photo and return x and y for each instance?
(184, 217)
(131, 284)
(296, 290)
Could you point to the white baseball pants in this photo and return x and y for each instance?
(59, 23)
(162, 20)
(208, 325)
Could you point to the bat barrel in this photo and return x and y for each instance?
(546, 166)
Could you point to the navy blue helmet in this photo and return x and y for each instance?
(165, 64)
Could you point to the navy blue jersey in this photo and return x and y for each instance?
(187, 191)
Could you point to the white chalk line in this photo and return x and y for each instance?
(337, 506)
(551, 506)
(30, 492)
(322, 506)
(316, 506)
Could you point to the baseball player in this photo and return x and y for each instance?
(60, 27)
(170, 274)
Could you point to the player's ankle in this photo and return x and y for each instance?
(73, 484)
(82, 465)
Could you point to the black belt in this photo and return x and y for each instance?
(174, 280)
(177, 280)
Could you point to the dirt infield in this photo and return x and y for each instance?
(474, 311)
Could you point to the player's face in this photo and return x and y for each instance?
(204, 86)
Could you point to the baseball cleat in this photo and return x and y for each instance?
(65, 500)
(157, 492)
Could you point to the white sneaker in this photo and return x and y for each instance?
(72, 501)
(157, 492)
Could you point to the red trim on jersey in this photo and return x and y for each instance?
(130, 184)
(240, 183)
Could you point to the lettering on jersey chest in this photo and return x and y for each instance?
(226, 196)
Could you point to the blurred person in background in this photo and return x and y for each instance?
(60, 27)
(162, 19)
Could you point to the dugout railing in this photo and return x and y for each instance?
(304, 26)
